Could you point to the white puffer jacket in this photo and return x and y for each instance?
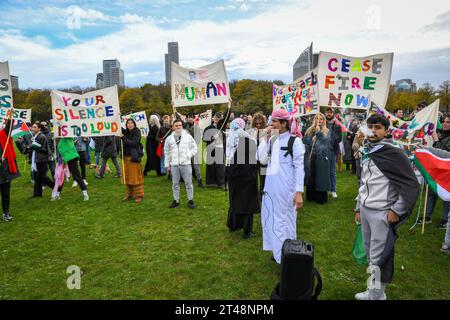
(179, 154)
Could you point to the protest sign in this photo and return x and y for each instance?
(347, 82)
(204, 119)
(298, 98)
(19, 115)
(206, 85)
(95, 113)
(6, 97)
(141, 121)
(420, 127)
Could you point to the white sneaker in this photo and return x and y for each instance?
(75, 184)
(368, 295)
(86, 197)
(55, 197)
(362, 295)
(85, 182)
(334, 195)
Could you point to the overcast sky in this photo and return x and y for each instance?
(48, 47)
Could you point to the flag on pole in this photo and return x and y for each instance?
(19, 130)
(434, 165)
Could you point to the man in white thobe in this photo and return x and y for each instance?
(284, 183)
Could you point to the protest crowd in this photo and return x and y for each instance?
(268, 163)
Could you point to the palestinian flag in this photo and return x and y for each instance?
(20, 130)
(434, 165)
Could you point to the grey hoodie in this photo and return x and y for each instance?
(394, 186)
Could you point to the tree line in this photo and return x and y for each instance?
(249, 96)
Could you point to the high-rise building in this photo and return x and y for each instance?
(14, 82)
(99, 82)
(171, 55)
(405, 85)
(112, 74)
(305, 62)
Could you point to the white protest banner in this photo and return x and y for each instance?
(19, 115)
(204, 119)
(298, 98)
(206, 85)
(141, 121)
(6, 97)
(95, 113)
(347, 82)
(421, 126)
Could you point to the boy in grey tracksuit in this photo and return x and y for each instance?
(387, 195)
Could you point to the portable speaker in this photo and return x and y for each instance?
(298, 272)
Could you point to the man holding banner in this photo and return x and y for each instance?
(205, 85)
(195, 132)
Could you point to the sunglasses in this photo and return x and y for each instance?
(258, 124)
(375, 126)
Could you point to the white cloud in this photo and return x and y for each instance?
(131, 18)
(244, 7)
(264, 46)
(224, 8)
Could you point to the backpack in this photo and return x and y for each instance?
(290, 147)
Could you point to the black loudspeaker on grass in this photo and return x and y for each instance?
(299, 279)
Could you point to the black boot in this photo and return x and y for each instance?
(249, 235)
(174, 204)
(200, 183)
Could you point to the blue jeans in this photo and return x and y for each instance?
(332, 163)
(431, 204)
(97, 158)
(88, 156)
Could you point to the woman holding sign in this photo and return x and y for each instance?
(132, 168)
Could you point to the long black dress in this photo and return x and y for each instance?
(243, 188)
(151, 146)
(215, 170)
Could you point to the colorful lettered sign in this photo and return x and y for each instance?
(141, 121)
(6, 99)
(95, 113)
(421, 126)
(347, 82)
(300, 97)
(206, 85)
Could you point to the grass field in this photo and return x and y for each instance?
(147, 251)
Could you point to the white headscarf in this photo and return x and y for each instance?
(237, 131)
(154, 120)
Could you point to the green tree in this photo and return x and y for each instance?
(444, 95)
(426, 93)
(131, 100)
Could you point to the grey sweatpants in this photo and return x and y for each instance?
(185, 172)
(103, 167)
(379, 239)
